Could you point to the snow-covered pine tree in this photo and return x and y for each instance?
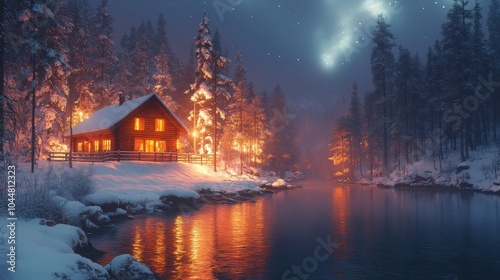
(236, 129)
(103, 55)
(163, 80)
(209, 87)
(38, 73)
(81, 100)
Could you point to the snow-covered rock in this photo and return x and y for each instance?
(279, 183)
(180, 194)
(76, 213)
(125, 267)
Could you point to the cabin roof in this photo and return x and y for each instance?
(107, 117)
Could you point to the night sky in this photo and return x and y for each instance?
(313, 49)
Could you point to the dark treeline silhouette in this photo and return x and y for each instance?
(448, 104)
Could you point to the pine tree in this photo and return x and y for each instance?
(480, 69)
(493, 23)
(237, 125)
(457, 54)
(141, 67)
(356, 129)
(341, 149)
(258, 131)
(280, 146)
(209, 88)
(103, 55)
(80, 79)
(41, 54)
(382, 66)
(163, 80)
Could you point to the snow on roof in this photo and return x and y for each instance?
(108, 116)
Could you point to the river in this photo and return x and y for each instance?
(377, 233)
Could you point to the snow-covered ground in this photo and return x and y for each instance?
(477, 173)
(43, 251)
(136, 182)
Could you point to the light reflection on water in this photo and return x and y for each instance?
(382, 234)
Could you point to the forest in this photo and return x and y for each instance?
(62, 61)
(447, 102)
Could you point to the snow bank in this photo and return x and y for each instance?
(47, 253)
(139, 182)
(476, 173)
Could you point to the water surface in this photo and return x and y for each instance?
(379, 233)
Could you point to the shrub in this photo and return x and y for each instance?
(34, 192)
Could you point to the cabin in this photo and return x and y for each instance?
(144, 124)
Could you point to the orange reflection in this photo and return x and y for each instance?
(178, 242)
(340, 205)
(137, 244)
(340, 197)
(187, 246)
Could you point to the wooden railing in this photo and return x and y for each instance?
(129, 156)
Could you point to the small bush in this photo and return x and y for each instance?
(77, 184)
(34, 192)
(34, 200)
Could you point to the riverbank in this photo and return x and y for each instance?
(480, 173)
(52, 248)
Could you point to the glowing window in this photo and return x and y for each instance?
(139, 145)
(96, 146)
(150, 146)
(106, 145)
(161, 146)
(139, 124)
(79, 147)
(159, 125)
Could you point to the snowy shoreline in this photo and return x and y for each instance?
(478, 174)
(56, 249)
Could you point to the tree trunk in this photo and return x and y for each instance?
(33, 103)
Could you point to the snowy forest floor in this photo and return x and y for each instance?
(480, 172)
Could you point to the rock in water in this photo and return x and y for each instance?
(125, 267)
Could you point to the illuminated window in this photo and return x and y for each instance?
(159, 125)
(139, 145)
(161, 146)
(139, 124)
(106, 145)
(79, 147)
(96, 146)
(150, 146)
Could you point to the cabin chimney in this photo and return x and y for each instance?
(121, 99)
